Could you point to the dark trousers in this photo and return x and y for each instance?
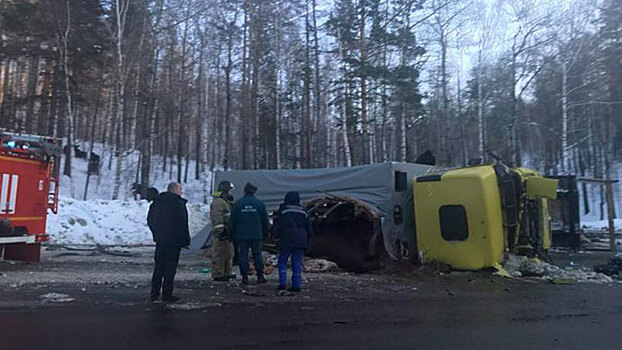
(166, 260)
(236, 253)
(254, 245)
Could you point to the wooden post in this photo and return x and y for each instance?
(610, 216)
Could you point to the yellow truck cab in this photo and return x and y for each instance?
(469, 217)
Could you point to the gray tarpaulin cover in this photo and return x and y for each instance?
(374, 184)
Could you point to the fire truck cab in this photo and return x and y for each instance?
(29, 186)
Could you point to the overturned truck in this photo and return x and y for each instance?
(468, 218)
(358, 214)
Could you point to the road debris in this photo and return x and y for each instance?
(518, 266)
(192, 306)
(319, 265)
(613, 268)
(56, 298)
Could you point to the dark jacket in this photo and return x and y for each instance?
(293, 227)
(168, 220)
(249, 219)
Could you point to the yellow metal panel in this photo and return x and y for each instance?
(526, 172)
(545, 220)
(475, 189)
(539, 187)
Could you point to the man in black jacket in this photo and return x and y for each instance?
(168, 221)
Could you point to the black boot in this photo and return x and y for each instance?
(260, 278)
(170, 298)
(245, 279)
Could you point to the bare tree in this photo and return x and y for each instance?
(121, 9)
(527, 39)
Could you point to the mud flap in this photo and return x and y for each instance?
(23, 252)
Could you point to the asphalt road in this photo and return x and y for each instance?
(335, 311)
(545, 317)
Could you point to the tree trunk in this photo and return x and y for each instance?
(363, 48)
(316, 54)
(565, 151)
(306, 121)
(480, 109)
(181, 140)
(277, 92)
(228, 69)
(69, 108)
(255, 44)
(244, 111)
(201, 118)
(121, 12)
(344, 124)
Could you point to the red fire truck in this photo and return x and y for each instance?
(29, 186)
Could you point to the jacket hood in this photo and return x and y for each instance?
(292, 198)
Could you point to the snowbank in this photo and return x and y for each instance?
(99, 220)
(110, 222)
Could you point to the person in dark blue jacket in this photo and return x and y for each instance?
(292, 230)
(248, 225)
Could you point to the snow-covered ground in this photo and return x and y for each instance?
(100, 220)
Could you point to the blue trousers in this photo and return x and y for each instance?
(255, 246)
(296, 255)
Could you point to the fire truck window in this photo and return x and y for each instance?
(453, 221)
(401, 181)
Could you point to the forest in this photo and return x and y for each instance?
(196, 85)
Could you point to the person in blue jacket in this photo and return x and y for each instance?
(248, 225)
(292, 230)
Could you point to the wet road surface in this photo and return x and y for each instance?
(335, 311)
